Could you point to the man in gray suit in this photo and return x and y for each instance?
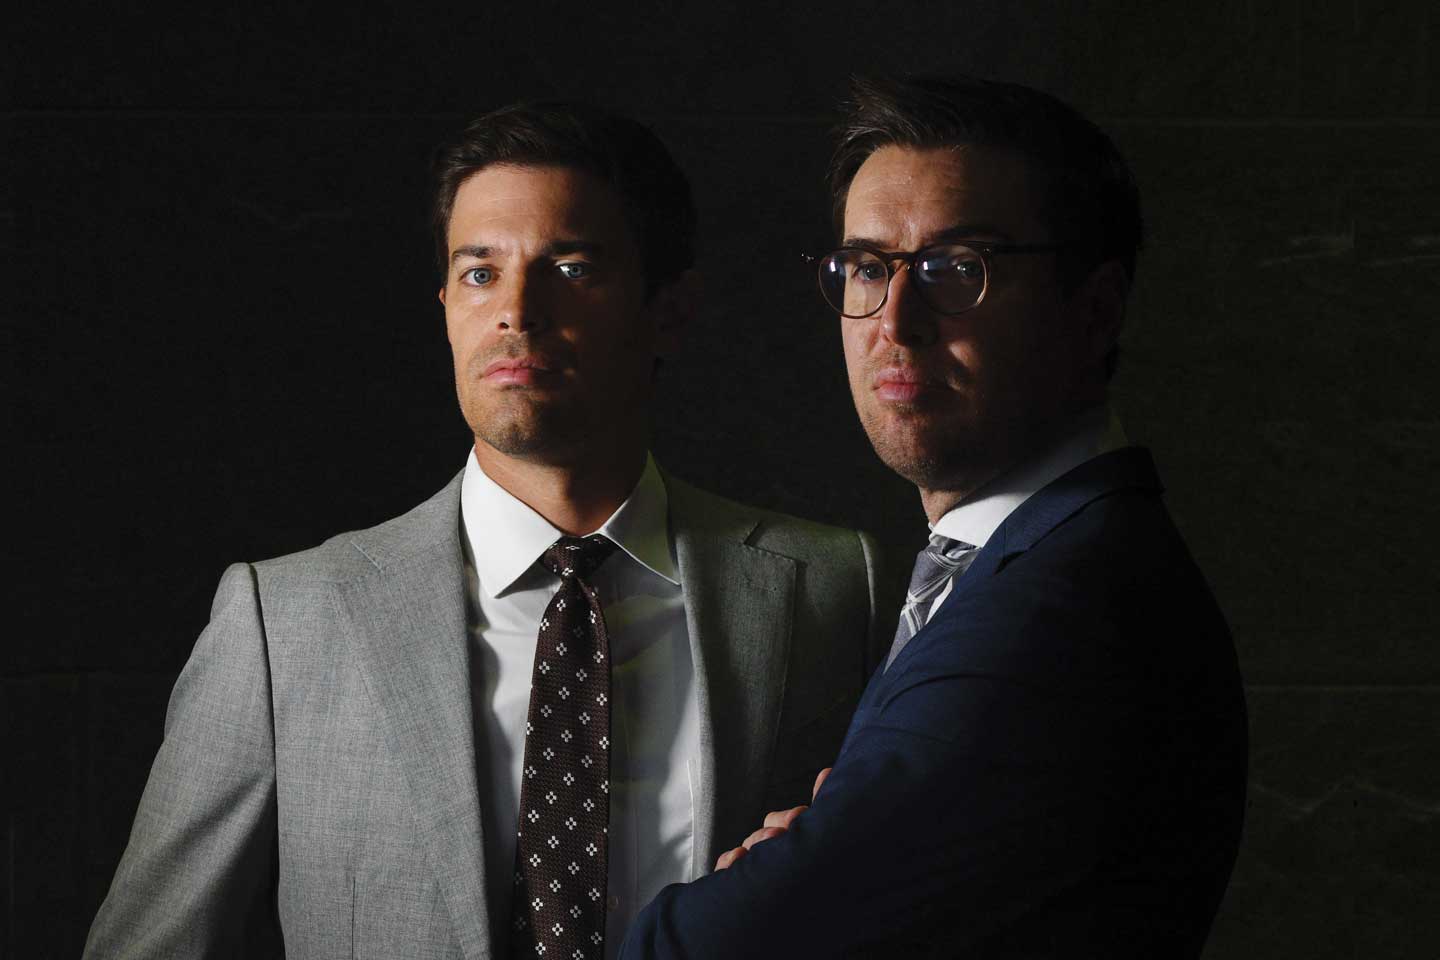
(359, 735)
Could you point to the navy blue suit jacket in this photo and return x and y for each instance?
(1053, 766)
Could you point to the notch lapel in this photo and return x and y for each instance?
(408, 622)
(739, 603)
(1129, 468)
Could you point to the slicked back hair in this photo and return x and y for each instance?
(654, 193)
(1093, 204)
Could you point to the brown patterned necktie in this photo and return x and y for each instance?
(561, 859)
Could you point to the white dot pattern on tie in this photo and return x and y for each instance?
(562, 849)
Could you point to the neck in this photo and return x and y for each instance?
(964, 484)
(576, 498)
(939, 501)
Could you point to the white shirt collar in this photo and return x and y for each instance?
(506, 536)
(974, 521)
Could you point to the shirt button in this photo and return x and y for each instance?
(614, 902)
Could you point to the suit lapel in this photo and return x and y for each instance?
(738, 607)
(407, 619)
(1129, 468)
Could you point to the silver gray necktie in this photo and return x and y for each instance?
(941, 559)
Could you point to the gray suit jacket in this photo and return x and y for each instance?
(317, 781)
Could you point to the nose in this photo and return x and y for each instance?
(905, 319)
(522, 306)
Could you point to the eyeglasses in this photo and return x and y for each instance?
(950, 277)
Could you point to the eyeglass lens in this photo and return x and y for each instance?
(949, 277)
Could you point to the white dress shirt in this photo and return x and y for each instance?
(654, 718)
(974, 521)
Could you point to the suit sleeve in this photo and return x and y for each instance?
(202, 853)
(962, 799)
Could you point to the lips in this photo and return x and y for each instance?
(902, 384)
(519, 371)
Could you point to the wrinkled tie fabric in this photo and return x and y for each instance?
(561, 857)
(942, 559)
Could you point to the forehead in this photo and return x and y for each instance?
(905, 197)
(544, 201)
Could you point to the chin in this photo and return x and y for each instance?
(932, 456)
(918, 463)
(526, 431)
(926, 472)
(513, 442)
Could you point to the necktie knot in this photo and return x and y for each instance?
(576, 557)
(941, 559)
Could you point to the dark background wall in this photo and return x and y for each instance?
(221, 342)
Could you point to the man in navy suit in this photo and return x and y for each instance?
(1052, 760)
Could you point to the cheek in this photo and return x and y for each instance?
(461, 342)
(466, 322)
(635, 338)
(621, 333)
(454, 318)
(457, 341)
(857, 338)
(615, 366)
(1018, 340)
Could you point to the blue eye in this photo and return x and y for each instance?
(949, 267)
(479, 276)
(574, 271)
(871, 271)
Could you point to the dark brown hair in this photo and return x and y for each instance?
(1094, 205)
(653, 191)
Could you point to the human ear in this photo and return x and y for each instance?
(673, 307)
(1098, 308)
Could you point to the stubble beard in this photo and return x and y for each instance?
(924, 449)
(916, 465)
(515, 421)
(517, 427)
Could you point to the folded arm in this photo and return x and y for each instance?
(959, 804)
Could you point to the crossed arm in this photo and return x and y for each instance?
(909, 838)
(776, 823)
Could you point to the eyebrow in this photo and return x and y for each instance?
(960, 231)
(559, 248)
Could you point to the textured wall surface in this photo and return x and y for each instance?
(220, 342)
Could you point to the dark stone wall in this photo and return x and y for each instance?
(221, 342)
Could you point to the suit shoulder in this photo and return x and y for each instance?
(1132, 532)
(356, 553)
(1111, 588)
(767, 529)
